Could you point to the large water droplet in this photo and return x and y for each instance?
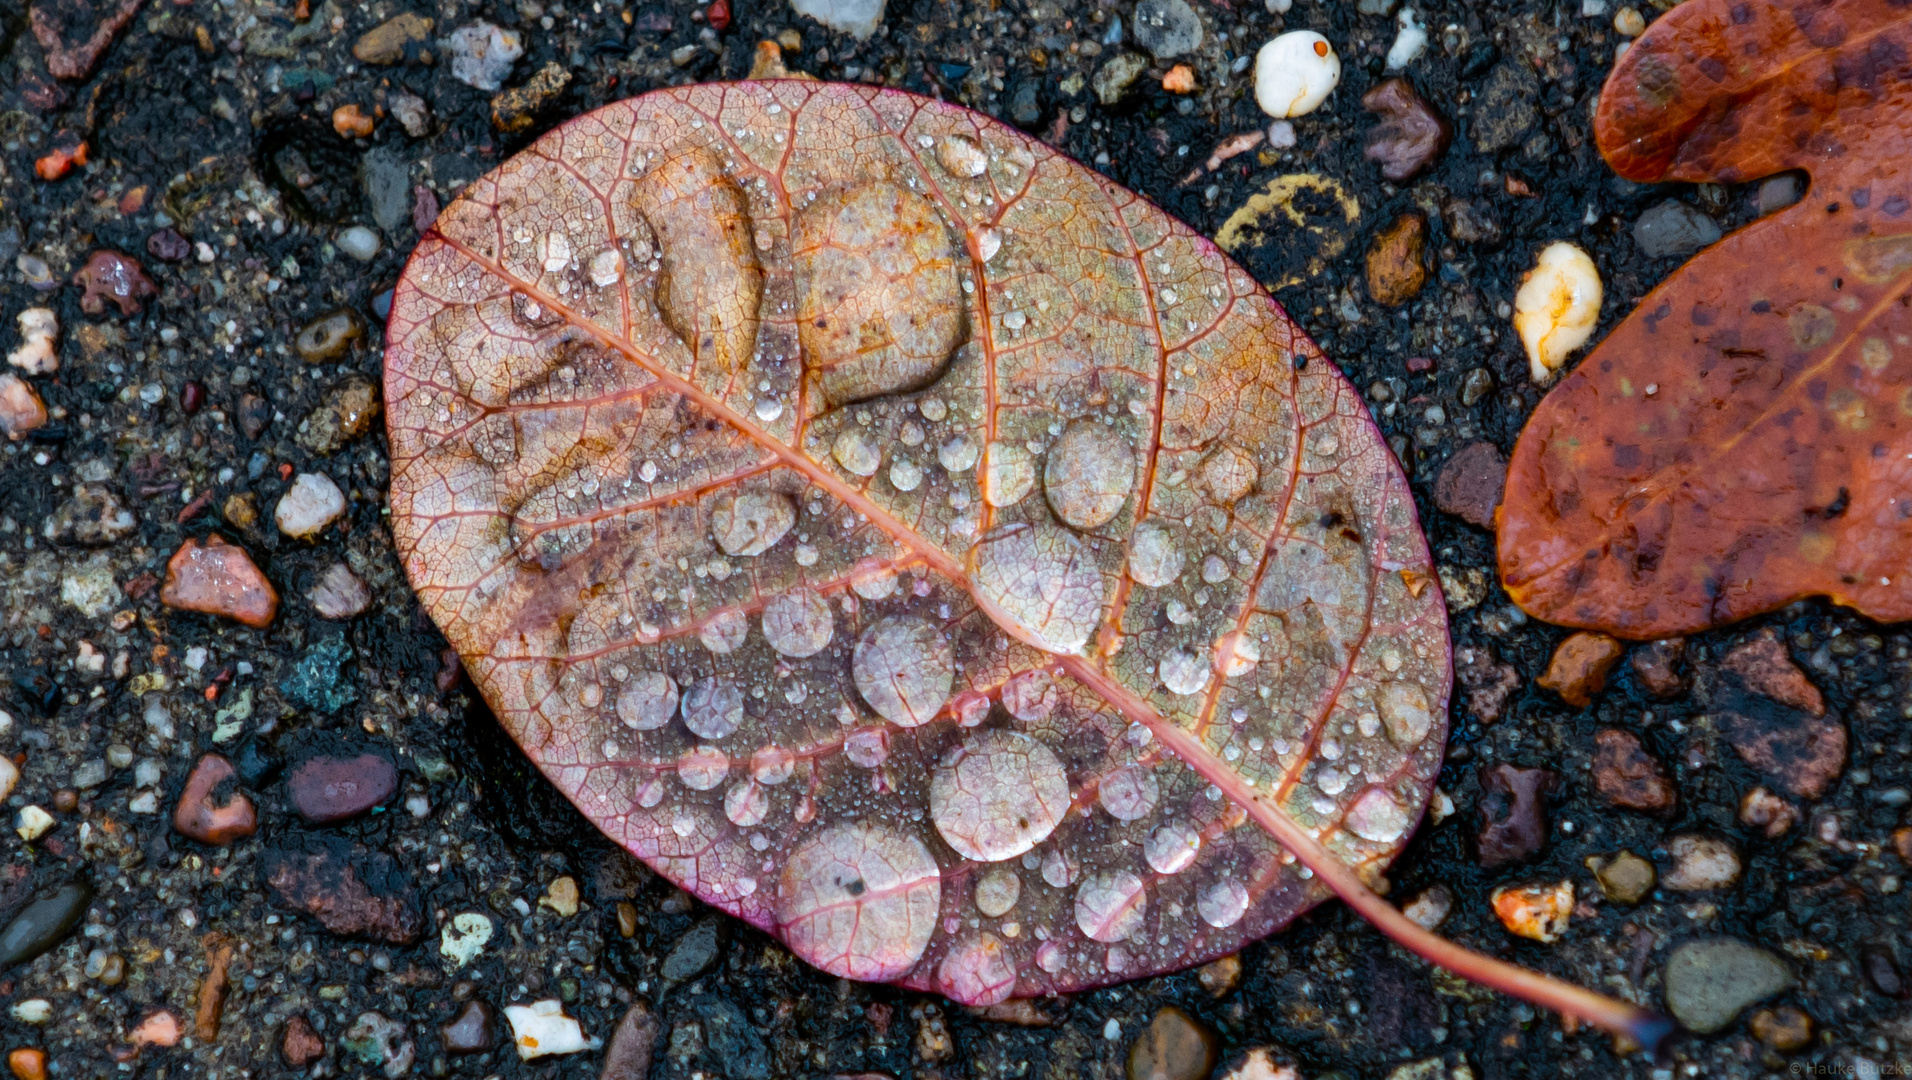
(905, 475)
(856, 450)
(978, 970)
(1003, 794)
(1183, 672)
(1378, 816)
(748, 524)
(1129, 793)
(1088, 475)
(1030, 696)
(724, 631)
(703, 767)
(867, 746)
(1404, 709)
(859, 899)
(1041, 582)
(1058, 869)
(746, 803)
(556, 252)
(607, 268)
(961, 156)
(713, 707)
(957, 454)
(1111, 906)
(1172, 847)
(648, 701)
(1222, 904)
(1010, 474)
(798, 623)
(904, 668)
(1155, 558)
(997, 891)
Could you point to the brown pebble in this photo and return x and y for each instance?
(213, 988)
(1395, 267)
(1018, 1011)
(1471, 483)
(241, 511)
(255, 413)
(1902, 843)
(330, 884)
(424, 208)
(66, 800)
(628, 1057)
(327, 789)
(473, 1031)
(1513, 815)
(1175, 1046)
(200, 817)
(330, 336)
(1761, 809)
(392, 40)
(1411, 135)
(352, 122)
(1625, 878)
(167, 245)
(109, 276)
(1629, 777)
(1764, 667)
(1488, 682)
(1580, 666)
(1219, 977)
(300, 1045)
(160, 1028)
(217, 578)
(626, 918)
(27, 1063)
(1799, 745)
(1785, 1029)
(1656, 666)
(516, 108)
(192, 396)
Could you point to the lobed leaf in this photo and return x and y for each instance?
(909, 541)
(1744, 438)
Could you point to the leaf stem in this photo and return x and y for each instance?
(1643, 1027)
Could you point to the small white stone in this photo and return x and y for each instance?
(358, 241)
(313, 503)
(32, 823)
(464, 937)
(857, 18)
(9, 776)
(482, 54)
(39, 351)
(1295, 73)
(1410, 41)
(33, 1011)
(541, 1029)
(1557, 307)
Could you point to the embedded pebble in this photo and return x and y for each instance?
(1624, 878)
(857, 18)
(1167, 28)
(482, 54)
(330, 336)
(1295, 73)
(21, 410)
(110, 277)
(1174, 1046)
(39, 349)
(1700, 864)
(541, 1029)
(204, 816)
(1580, 665)
(473, 1031)
(1557, 308)
(326, 789)
(358, 241)
(1539, 912)
(310, 506)
(1709, 982)
(44, 923)
(338, 593)
(299, 1044)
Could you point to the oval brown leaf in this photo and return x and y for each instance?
(1742, 440)
(908, 541)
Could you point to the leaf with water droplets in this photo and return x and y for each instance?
(908, 541)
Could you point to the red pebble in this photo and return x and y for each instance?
(719, 15)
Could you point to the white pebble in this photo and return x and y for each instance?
(358, 241)
(32, 823)
(9, 776)
(541, 1028)
(1281, 135)
(1410, 41)
(1295, 73)
(1556, 308)
(39, 351)
(33, 1011)
(313, 503)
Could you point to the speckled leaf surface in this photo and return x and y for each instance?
(1744, 438)
(848, 502)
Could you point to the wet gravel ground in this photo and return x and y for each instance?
(215, 119)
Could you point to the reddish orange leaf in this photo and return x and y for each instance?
(1744, 438)
(909, 541)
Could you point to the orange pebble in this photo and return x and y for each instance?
(351, 122)
(1179, 80)
(59, 162)
(28, 1064)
